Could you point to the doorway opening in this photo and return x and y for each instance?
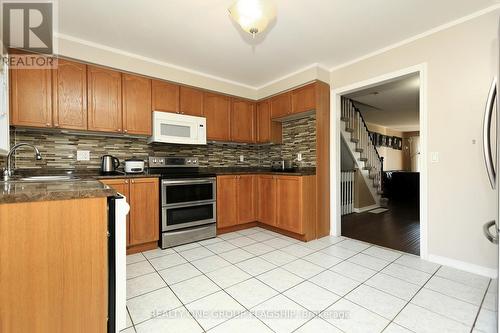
(379, 179)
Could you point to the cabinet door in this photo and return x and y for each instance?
(246, 199)
(281, 105)
(266, 199)
(217, 110)
(268, 131)
(289, 203)
(31, 97)
(165, 96)
(70, 95)
(191, 101)
(137, 113)
(144, 210)
(227, 201)
(121, 186)
(242, 121)
(304, 99)
(105, 99)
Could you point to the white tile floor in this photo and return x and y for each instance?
(255, 281)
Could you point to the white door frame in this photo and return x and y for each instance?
(335, 130)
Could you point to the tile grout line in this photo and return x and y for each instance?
(481, 305)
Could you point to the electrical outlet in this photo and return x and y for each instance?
(299, 157)
(242, 158)
(83, 155)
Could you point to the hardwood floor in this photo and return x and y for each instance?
(398, 228)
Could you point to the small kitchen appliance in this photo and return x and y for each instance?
(134, 166)
(109, 164)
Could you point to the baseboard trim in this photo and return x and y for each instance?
(464, 266)
(365, 209)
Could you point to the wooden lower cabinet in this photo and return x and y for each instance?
(121, 186)
(246, 199)
(144, 217)
(227, 201)
(287, 203)
(266, 199)
(54, 266)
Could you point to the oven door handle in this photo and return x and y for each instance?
(190, 181)
(190, 203)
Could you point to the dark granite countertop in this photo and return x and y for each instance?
(250, 170)
(86, 184)
(29, 191)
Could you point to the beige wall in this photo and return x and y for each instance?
(393, 158)
(461, 62)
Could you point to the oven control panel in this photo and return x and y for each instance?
(173, 162)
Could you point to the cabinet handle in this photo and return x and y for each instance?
(47, 124)
(125, 131)
(133, 182)
(126, 182)
(119, 130)
(56, 125)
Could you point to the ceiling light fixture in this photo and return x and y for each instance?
(253, 15)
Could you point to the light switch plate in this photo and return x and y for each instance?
(242, 158)
(83, 155)
(434, 157)
(299, 157)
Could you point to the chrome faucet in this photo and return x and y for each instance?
(8, 172)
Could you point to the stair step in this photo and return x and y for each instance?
(363, 159)
(350, 130)
(380, 192)
(344, 118)
(372, 176)
(359, 150)
(354, 140)
(367, 167)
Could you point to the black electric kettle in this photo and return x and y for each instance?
(109, 163)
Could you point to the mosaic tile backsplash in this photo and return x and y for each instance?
(59, 149)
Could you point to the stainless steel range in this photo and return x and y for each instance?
(188, 200)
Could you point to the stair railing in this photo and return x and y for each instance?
(365, 144)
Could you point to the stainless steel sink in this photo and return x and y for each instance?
(47, 178)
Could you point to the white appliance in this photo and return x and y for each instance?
(134, 166)
(491, 149)
(178, 128)
(4, 110)
(121, 210)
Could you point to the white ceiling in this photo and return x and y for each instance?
(394, 105)
(199, 34)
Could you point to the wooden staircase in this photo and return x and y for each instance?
(362, 148)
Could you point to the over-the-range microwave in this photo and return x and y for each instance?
(178, 128)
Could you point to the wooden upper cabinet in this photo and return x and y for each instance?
(104, 99)
(268, 131)
(304, 99)
(217, 110)
(246, 199)
(165, 96)
(281, 105)
(243, 121)
(191, 101)
(136, 94)
(70, 95)
(227, 201)
(31, 97)
(289, 203)
(266, 199)
(144, 210)
(122, 186)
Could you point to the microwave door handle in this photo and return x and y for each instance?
(488, 114)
